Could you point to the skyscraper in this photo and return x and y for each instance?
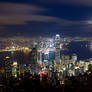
(57, 45)
(14, 69)
(74, 58)
(33, 59)
(65, 59)
(8, 67)
(34, 56)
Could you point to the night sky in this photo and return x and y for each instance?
(45, 18)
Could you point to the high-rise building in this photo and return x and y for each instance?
(41, 54)
(14, 69)
(86, 66)
(74, 58)
(65, 59)
(39, 57)
(8, 67)
(34, 56)
(46, 57)
(57, 45)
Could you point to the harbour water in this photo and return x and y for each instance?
(83, 49)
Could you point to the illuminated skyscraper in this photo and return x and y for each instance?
(46, 57)
(65, 59)
(34, 56)
(51, 43)
(74, 58)
(57, 45)
(8, 67)
(41, 59)
(14, 69)
(39, 56)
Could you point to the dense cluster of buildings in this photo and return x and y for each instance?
(45, 58)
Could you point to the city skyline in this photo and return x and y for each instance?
(45, 45)
(45, 18)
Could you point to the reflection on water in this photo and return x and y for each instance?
(83, 49)
(18, 56)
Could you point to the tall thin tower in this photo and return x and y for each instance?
(57, 45)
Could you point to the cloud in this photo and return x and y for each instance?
(23, 19)
(14, 14)
(18, 8)
(11, 13)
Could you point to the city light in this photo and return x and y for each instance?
(45, 45)
(48, 59)
(15, 63)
